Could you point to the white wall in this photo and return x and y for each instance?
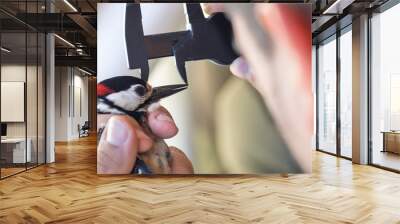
(67, 114)
(61, 103)
(80, 97)
(12, 73)
(33, 126)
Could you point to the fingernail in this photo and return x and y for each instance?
(165, 118)
(241, 68)
(117, 132)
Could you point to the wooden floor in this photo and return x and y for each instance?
(69, 191)
(10, 171)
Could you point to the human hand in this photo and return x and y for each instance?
(280, 71)
(239, 66)
(123, 138)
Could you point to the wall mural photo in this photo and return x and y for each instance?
(216, 88)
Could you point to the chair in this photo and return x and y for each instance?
(84, 130)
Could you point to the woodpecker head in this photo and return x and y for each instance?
(127, 94)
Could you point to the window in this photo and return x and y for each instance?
(346, 92)
(314, 91)
(327, 96)
(22, 77)
(385, 88)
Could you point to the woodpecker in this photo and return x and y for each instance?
(128, 95)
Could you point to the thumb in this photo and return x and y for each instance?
(241, 69)
(117, 147)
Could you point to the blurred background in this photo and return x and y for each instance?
(224, 126)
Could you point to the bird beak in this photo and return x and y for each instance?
(163, 91)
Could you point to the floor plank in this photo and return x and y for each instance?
(69, 191)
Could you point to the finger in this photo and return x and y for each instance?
(161, 123)
(241, 69)
(180, 163)
(118, 146)
(144, 141)
(211, 8)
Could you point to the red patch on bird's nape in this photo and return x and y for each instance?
(103, 90)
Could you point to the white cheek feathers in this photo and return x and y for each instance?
(107, 109)
(126, 99)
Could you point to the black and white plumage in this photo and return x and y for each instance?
(132, 96)
(121, 94)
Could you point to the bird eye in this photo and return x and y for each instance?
(140, 90)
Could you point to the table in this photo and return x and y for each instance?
(13, 150)
(391, 141)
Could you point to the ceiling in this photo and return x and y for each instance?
(76, 22)
(331, 15)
